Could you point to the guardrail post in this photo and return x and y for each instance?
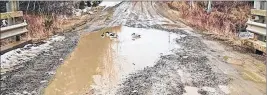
(265, 5)
(209, 6)
(266, 29)
(18, 38)
(11, 6)
(8, 9)
(257, 4)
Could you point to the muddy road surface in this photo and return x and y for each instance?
(169, 57)
(34, 65)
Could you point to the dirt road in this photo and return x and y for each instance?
(169, 58)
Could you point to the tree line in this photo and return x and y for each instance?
(49, 7)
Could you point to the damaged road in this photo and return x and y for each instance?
(173, 59)
(178, 73)
(199, 67)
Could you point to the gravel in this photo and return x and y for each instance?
(183, 72)
(172, 73)
(34, 75)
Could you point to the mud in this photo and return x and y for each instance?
(196, 67)
(199, 64)
(34, 75)
(172, 73)
(74, 76)
(130, 55)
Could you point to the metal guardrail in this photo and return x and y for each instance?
(257, 28)
(13, 30)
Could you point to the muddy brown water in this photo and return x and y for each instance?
(74, 76)
(102, 62)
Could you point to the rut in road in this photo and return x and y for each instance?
(194, 67)
(186, 71)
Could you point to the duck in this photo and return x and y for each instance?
(103, 35)
(107, 33)
(113, 35)
(134, 35)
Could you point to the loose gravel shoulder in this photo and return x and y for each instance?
(34, 75)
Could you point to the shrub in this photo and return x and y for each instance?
(225, 19)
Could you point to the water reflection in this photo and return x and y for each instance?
(131, 55)
(102, 63)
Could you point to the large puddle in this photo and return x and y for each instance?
(102, 63)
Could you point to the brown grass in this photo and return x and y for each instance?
(38, 29)
(224, 20)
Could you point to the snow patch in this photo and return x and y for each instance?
(109, 3)
(191, 90)
(13, 59)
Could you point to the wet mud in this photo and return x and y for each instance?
(35, 74)
(74, 76)
(166, 59)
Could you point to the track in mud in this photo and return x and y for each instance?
(200, 69)
(191, 68)
(176, 73)
(130, 55)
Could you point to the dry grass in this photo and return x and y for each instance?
(38, 28)
(224, 20)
